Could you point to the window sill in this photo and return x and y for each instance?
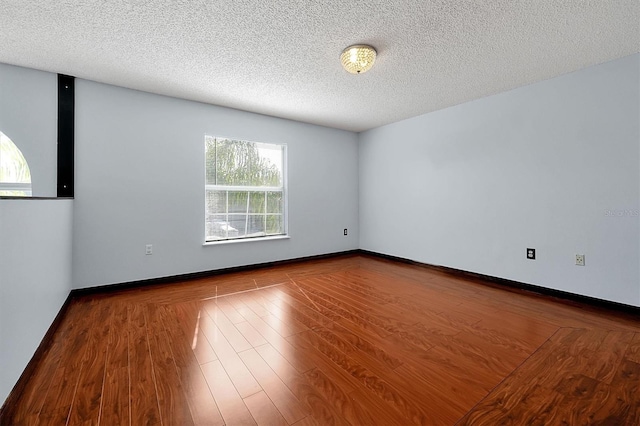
(247, 240)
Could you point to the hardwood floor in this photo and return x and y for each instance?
(353, 340)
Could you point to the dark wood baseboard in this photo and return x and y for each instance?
(108, 288)
(45, 343)
(558, 295)
(521, 287)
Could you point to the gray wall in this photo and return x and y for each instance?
(553, 166)
(140, 180)
(29, 117)
(35, 278)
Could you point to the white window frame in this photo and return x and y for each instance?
(249, 189)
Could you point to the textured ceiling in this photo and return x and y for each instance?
(281, 58)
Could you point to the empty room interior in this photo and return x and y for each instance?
(313, 213)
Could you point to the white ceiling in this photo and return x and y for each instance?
(281, 58)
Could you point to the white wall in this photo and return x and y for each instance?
(140, 180)
(29, 117)
(472, 186)
(35, 278)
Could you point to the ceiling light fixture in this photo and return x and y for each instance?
(358, 58)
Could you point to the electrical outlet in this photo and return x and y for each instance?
(580, 259)
(148, 249)
(345, 231)
(531, 253)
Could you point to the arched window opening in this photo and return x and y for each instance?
(15, 177)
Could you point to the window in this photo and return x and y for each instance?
(15, 177)
(244, 189)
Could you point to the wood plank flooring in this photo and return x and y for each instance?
(352, 340)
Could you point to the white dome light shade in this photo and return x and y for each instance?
(358, 58)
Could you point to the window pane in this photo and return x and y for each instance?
(256, 202)
(256, 225)
(271, 160)
(216, 201)
(274, 202)
(238, 201)
(242, 163)
(218, 228)
(238, 223)
(275, 224)
(210, 160)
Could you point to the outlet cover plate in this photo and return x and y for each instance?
(580, 259)
(531, 253)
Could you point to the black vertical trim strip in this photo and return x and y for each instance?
(66, 112)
